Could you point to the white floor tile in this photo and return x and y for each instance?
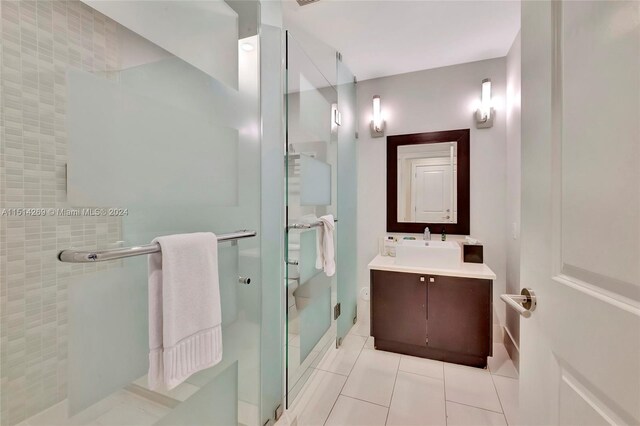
(248, 414)
(318, 397)
(369, 344)
(372, 377)
(353, 412)
(418, 391)
(422, 366)
(341, 360)
(182, 392)
(132, 410)
(294, 339)
(464, 415)
(287, 419)
(361, 328)
(470, 386)
(298, 375)
(150, 407)
(297, 369)
(417, 400)
(57, 415)
(500, 363)
(126, 415)
(508, 390)
(296, 388)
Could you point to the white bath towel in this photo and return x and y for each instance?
(325, 253)
(185, 318)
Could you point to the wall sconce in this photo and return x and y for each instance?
(377, 124)
(485, 114)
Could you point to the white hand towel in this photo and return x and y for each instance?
(185, 318)
(319, 247)
(325, 253)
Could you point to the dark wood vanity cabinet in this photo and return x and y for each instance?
(432, 316)
(392, 293)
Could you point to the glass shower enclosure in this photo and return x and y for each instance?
(123, 121)
(320, 180)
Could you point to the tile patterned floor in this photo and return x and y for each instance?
(125, 408)
(358, 385)
(122, 408)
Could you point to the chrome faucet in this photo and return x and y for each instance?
(427, 234)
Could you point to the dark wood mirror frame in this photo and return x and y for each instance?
(462, 138)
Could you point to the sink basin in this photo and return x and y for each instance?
(428, 254)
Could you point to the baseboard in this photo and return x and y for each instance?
(288, 418)
(364, 311)
(512, 348)
(498, 334)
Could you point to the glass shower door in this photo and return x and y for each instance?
(127, 120)
(347, 200)
(311, 181)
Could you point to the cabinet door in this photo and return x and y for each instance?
(460, 315)
(399, 307)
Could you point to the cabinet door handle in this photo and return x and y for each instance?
(432, 280)
(421, 279)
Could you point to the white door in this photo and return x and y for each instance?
(432, 186)
(580, 349)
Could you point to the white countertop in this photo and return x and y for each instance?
(465, 270)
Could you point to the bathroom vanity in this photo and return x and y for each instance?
(422, 309)
(426, 301)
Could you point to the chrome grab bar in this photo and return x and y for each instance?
(306, 225)
(524, 303)
(75, 256)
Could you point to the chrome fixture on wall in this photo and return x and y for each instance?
(77, 256)
(377, 123)
(485, 113)
(307, 225)
(336, 117)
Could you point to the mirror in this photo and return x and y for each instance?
(428, 182)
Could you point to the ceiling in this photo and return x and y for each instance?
(387, 37)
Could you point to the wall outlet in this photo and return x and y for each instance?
(364, 294)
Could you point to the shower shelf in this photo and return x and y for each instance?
(75, 256)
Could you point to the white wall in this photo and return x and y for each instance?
(426, 101)
(322, 54)
(513, 184)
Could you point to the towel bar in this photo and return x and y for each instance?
(306, 225)
(75, 256)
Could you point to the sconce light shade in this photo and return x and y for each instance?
(377, 124)
(485, 114)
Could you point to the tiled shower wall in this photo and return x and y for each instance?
(40, 41)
